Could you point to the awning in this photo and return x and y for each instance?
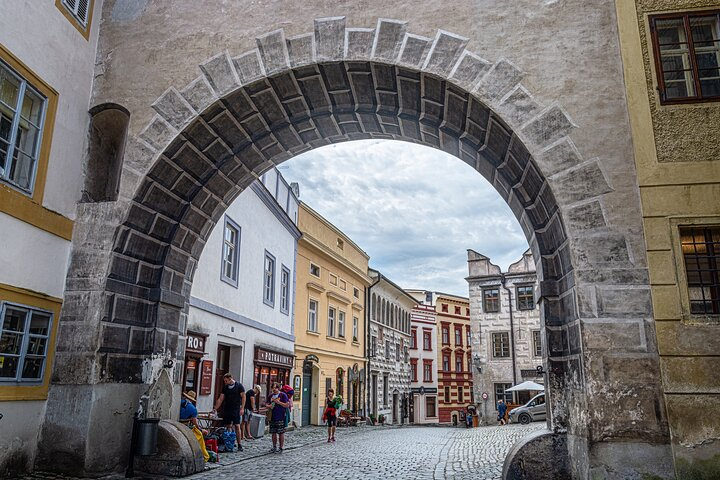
(526, 386)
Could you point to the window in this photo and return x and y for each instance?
(413, 369)
(430, 407)
(701, 253)
(342, 284)
(491, 300)
(427, 343)
(467, 312)
(397, 352)
(231, 250)
(413, 339)
(525, 297)
(468, 336)
(458, 362)
(356, 292)
(386, 390)
(501, 344)
(472, 395)
(446, 363)
(427, 371)
(356, 321)
(461, 393)
(312, 315)
(458, 336)
(446, 395)
(469, 363)
(501, 394)
(428, 298)
(687, 56)
(331, 322)
(79, 9)
(333, 279)
(22, 114)
(444, 307)
(24, 337)
(457, 310)
(269, 282)
(284, 290)
(537, 344)
(340, 244)
(314, 270)
(373, 345)
(445, 335)
(341, 324)
(387, 349)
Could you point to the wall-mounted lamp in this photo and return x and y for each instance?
(168, 363)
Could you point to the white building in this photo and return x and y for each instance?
(241, 305)
(506, 333)
(423, 358)
(47, 52)
(388, 359)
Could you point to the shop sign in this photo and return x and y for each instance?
(312, 358)
(273, 357)
(423, 390)
(206, 376)
(296, 388)
(195, 343)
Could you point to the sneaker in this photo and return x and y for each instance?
(279, 450)
(333, 439)
(273, 450)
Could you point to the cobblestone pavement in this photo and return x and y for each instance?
(417, 452)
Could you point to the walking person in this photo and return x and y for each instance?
(232, 401)
(501, 408)
(278, 402)
(330, 415)
(249, 409)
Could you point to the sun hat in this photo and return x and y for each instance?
(190, 395)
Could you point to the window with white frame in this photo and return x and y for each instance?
(22, 115)
(231, 252)
(312, 315)
(24, 337)
(525, 297)
(80, 9)
(356, 321)
(537, 344)
(341, 324)
(285, 290)
(331, 321)
(269, 280)
(501, 344)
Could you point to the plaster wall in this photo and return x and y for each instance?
(43, 39)
(423, 317)
(676, 152)
(32, 258)
(21, 424)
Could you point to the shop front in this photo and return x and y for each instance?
(271, 366)
(193, 368)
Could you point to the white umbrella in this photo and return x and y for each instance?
(526, 386)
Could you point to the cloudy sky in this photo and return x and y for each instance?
(413, 209)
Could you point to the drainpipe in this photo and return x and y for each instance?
(512, 329)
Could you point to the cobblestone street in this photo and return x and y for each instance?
(395, 453)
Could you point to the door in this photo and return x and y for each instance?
(411, 408)
(374, 390)
(306, 394)
(222, 366)
(395, 409)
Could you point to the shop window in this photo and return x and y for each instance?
(491, 300)
(701, 254)
(269, 280)
(501, 344)
(106, 147)
(24, 337)
(687, 56)
(430, 411)
(525, 297)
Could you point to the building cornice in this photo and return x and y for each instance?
(272, 205)
(317, 246)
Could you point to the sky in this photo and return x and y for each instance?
(413, 209)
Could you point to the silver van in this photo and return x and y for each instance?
(530, 412)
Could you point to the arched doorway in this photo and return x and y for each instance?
(244, 114)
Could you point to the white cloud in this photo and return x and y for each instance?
(415, 210)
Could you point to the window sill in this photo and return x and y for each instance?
(336, 339)
(356, 344)
(311, 332)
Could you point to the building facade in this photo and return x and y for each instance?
(329, 337)
(241, 316)
(388, 320)
(671, 53)
(506, 331)
(44, 100)
(454, 357)
(423, 359)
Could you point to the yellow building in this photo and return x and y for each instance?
(671, 53)
(330, 318)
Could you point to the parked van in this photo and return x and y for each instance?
(530, 412)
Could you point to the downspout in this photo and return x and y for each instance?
(512, 330)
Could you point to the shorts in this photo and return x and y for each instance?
(246, 415)
(331, 421)
(277, 427)
(232, 418)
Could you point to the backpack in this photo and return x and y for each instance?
(229, 439)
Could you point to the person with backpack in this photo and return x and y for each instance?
(278, 403)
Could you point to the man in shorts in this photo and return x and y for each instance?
(232, 400)
(279, 403)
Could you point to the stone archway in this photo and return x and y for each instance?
(246, 113)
